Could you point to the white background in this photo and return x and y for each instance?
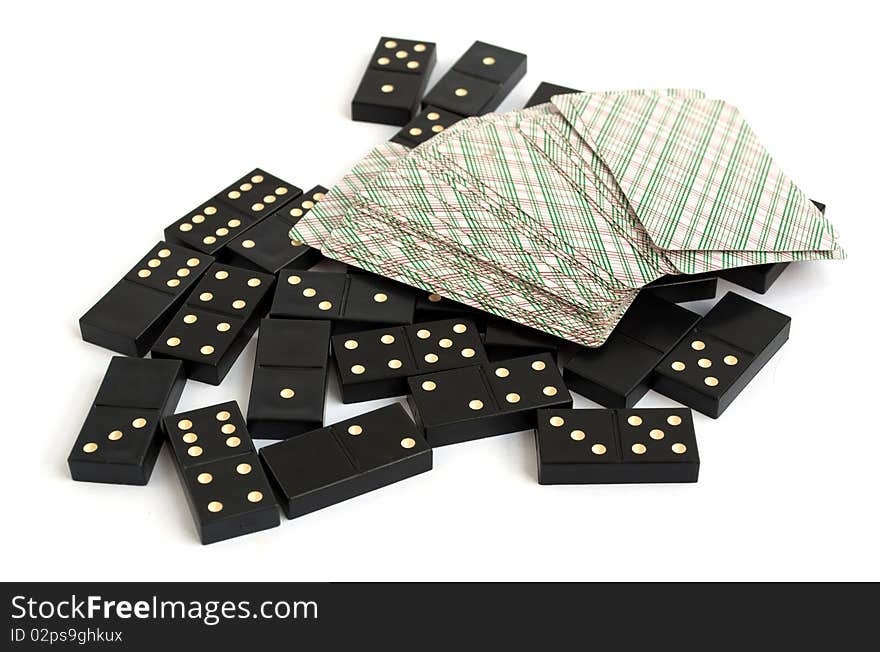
(117, 121)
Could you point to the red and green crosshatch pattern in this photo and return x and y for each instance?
(555, 216)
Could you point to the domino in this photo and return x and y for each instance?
(309, 295)
(681, 288)
(208, 434)
(620, 372)
(726, 349)
(402, 55)
(121, 437)
(209, 227)
(545, 92)
(224, 483)
(616, 446)
(478, 81)
(290, 378)
(430, 122)
(351, 301)
(445, 344)
(258, 193)
(350, 458)
(468, 403)
(209, 332)
(268, 247)
(432, 307)
(506, 339)
(132, 314)
(213, 225)
(759, 278)
(375, 364)
(392, 86)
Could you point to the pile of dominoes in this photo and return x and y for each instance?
(470, 363)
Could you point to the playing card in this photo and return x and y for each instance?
(696, 175)
(555, 216)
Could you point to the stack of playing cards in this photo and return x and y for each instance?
(555, 216)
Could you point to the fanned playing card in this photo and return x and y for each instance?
(696, 175)
(555, 216)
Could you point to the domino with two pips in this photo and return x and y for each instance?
(347, 459)
(597, 446)
(430, 122)
(477, 83)
(122, 435)
(225, 486)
